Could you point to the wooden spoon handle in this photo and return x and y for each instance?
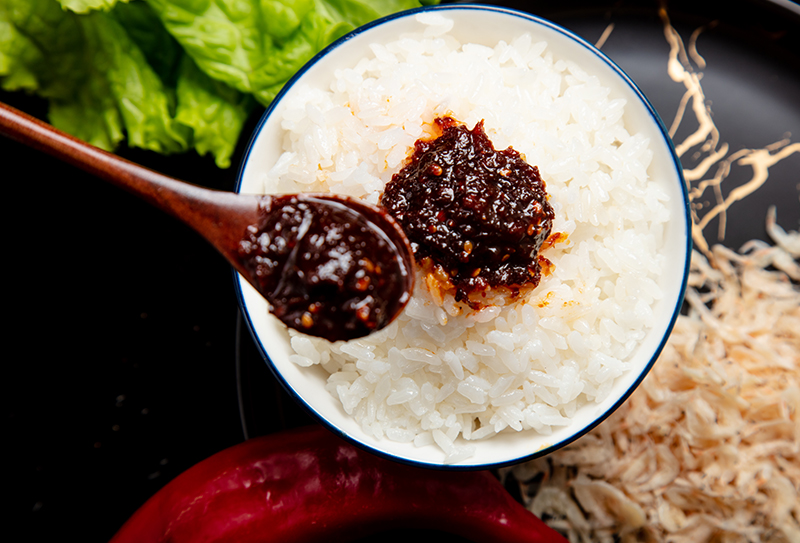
(203, 209)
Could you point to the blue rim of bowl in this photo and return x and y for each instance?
(687, 225)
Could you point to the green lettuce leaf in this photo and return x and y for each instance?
(97, 79)
(166, 75)
(255, 46)
(214, 111)
(146, 106)
(162, 52)
(17, 55)
(85, 6)
(47, 54)
(114, 75)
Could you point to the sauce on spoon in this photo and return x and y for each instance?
(330, 267)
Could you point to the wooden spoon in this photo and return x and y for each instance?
(329, 265)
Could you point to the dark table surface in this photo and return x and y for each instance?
(125, 362)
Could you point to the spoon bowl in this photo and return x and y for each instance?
(319, 283)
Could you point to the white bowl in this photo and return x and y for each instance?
(483, 25)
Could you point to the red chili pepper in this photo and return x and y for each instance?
(309, 485)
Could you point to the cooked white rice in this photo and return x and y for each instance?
(442, 374)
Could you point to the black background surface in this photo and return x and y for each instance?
(124, 362)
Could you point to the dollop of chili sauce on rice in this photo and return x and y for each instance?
(476, 215)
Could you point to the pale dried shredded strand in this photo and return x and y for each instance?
(708, 447)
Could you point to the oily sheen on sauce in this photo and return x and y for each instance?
(479, 215)
(328, 266)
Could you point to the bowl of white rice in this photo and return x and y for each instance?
(456, 387)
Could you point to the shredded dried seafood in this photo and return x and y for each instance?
(708, 447)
